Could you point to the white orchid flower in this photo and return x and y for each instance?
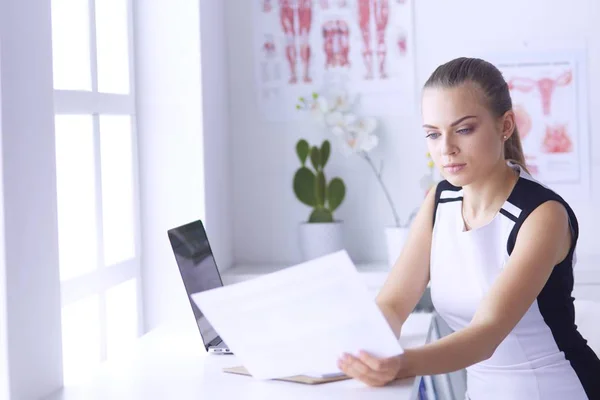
(319, 110)
(340, 101)
(358, 136)
(322, 105)
(367, 124)
(364, 138)
(337, 98)
(335, 118)
(369, 142)
(339, 119)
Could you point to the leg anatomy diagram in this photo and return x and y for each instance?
(288, 11)
(380, 10)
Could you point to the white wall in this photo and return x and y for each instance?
(29, 200)
(182, 111)
(217, 151)
(4, 388)
(265, 210)
(170, 144)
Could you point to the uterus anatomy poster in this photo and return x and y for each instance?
(301, 45)
(550, 102)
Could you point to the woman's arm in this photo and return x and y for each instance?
(543, 241)
(408, 278)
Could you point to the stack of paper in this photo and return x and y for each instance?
(299, 321)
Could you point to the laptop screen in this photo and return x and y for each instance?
(197, 267)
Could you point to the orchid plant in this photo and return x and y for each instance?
(355, 134)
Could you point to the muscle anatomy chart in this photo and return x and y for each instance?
(547, 107)
(301, 45)
(380, 9)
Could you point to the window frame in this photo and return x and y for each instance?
(95, 104)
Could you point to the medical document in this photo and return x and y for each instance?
(299, 321)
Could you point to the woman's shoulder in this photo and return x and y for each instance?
(530, 193)
(528, 196)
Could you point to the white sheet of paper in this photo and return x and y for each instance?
(299, 320)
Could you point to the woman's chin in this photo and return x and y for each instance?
(458, 181)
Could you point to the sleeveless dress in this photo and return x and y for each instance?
(544, 357)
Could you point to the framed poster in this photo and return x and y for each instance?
(301, 45)
(549, 96)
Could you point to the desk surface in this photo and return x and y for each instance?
(171, 364)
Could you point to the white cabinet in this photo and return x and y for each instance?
(587, 278)
(587, 292)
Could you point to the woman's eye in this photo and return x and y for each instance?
(432, 135)
(464, 131)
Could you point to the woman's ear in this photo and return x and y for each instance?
(508, 124)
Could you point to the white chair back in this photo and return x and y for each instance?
(587, 319)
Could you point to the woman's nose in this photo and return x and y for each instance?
(448, 147)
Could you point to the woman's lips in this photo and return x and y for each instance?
(454, 168)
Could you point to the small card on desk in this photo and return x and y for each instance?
(307, 379)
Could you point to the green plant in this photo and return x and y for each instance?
(310, 185)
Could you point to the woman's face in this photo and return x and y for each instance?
(464, 139)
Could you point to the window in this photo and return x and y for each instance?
(96, 160)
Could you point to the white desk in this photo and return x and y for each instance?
(586, 274)
(171, 364)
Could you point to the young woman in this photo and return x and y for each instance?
(498, 248)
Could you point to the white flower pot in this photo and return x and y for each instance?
(319, 239)
(395, 239)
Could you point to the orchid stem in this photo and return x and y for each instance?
(380, 180)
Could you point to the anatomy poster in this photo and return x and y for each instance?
(548, 93)
(301, 45)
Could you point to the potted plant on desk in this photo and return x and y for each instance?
(322, 233)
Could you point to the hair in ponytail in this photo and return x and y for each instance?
(495, 90)
(513, 150)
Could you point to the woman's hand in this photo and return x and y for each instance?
(372, 370)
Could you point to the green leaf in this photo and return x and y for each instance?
(304, 186)
(321, 185)
(325, 152)
(315, 157)
(302, 149)
(335, 193)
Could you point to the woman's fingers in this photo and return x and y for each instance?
(376, 364)
(352, 371)
(355, 368)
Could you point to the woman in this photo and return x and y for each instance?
(498, 248)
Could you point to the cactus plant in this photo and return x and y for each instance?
(310, 185)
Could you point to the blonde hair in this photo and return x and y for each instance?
(495, 90)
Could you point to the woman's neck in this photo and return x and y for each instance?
(486, 197)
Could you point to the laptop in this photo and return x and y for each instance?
(199, 272)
